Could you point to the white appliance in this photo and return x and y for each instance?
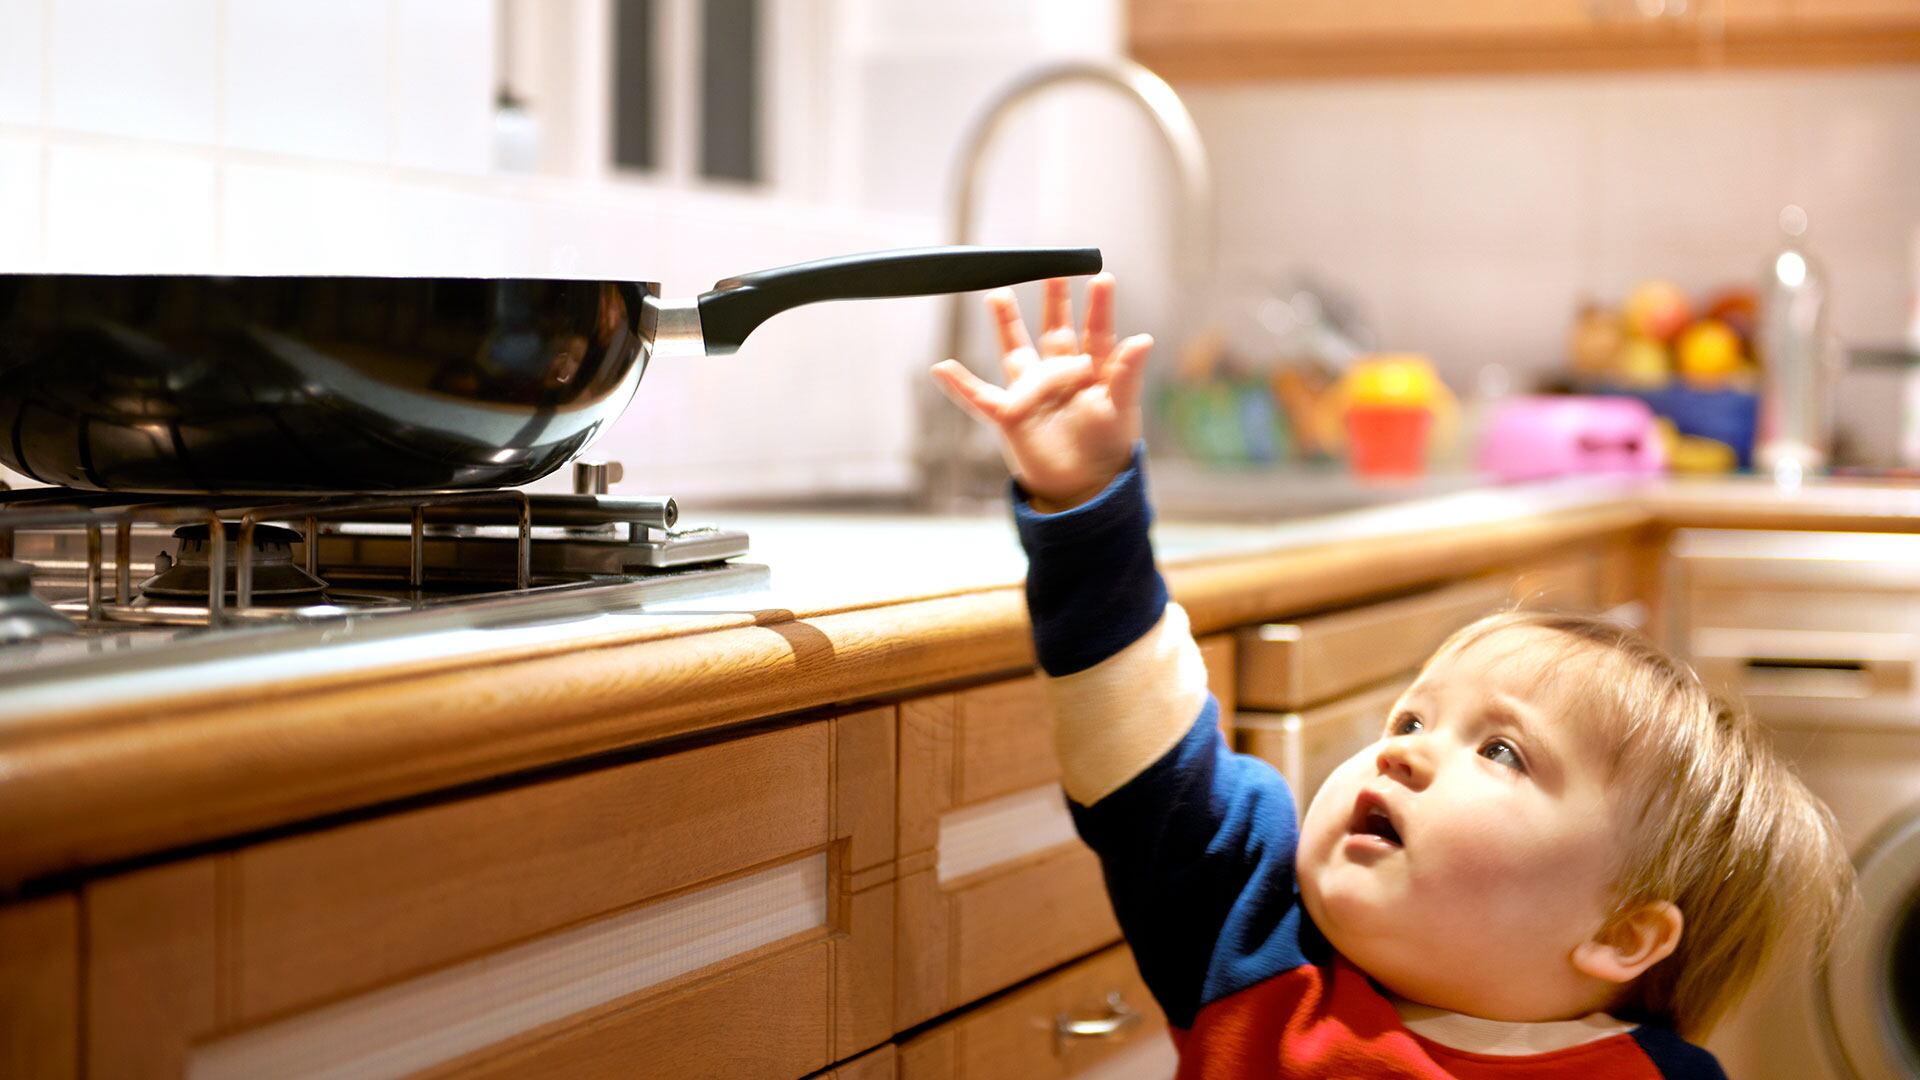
(1820, 632)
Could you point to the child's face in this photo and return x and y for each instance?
(1461, 858)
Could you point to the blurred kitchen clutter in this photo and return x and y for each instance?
(1251, 386)
(1694, 365)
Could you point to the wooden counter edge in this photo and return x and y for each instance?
(126, 783)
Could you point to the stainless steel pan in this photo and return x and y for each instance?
(360, 384)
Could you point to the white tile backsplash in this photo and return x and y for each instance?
(148, 69)
(443, 57)
(130, 210)
(20, 204)
(1467, 216)
(290, 219)
(22, 38)
(1470, 215)
(309, 78)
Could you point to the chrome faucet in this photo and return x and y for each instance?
(958, 461)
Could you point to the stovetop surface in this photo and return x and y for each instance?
(131, 576)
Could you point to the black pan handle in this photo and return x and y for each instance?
(739, 304)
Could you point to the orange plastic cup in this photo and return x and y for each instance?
(1388, 440)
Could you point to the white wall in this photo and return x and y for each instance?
(282, 136)
(1470, 215)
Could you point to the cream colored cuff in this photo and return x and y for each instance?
(1123, 714)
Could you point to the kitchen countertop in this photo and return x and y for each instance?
(96, 769)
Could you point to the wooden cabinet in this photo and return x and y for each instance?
(994, 885)
(1284, 39)
(1803, 626)
(40, 988)
(1314, 690)
(725, 910)
(1093, 1016)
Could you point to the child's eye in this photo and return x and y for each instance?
(1503, 752)
(1405, 724)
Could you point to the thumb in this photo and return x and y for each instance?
(985, 401)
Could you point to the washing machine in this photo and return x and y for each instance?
(1820, 633)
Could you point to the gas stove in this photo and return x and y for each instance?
(86, 575)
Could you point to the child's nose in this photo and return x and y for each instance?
(1402, 760)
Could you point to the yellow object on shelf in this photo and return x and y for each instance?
(1709, 354)
(1405, 379)
(1694, 453)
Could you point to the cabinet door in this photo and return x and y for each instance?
(1306, 745)
(1350, 19)
(40, 987)
(1189, 40)
(994, 886)
(722, 910)
(1285, 667)
(1093, 1017)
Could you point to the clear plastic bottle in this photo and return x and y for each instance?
(1799, 361)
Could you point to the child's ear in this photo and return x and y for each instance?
(1630, 944)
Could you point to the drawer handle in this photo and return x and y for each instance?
(1120, 1019)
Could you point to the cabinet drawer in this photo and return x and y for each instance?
(1810, 629)
(1291, 666)
(39, 987)
(591, 924)
(1305, 746)
(994, 885)
(1566, 583)
(1095, 1015)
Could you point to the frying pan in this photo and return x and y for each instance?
(266, 385)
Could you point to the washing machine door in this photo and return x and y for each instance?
(1872, 980)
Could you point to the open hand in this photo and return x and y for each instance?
(1070, 412)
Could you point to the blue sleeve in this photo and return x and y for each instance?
(1197, 847)
(1198, 857)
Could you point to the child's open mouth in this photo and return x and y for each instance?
(1372, 825)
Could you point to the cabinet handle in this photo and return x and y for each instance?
(1120, 1019)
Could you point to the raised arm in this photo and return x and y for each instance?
(1196, 842)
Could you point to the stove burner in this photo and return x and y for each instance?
(187, 574)
(23, 616)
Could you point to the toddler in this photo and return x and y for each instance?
(1561, 858)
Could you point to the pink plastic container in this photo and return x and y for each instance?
(1529, 438)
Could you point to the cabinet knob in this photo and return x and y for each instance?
(1120, 1018)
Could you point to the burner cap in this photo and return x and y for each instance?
(24, 616)
(186, 573)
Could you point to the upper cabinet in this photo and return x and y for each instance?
(1279, 39)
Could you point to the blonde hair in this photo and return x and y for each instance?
(1720, 826)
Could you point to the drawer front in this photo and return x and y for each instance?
(1306, 746)
(1285, 667)
(1095, 1016)
(1567, 583)
(40, 987)
(585, 924)
(994, 885)
(1782, 620)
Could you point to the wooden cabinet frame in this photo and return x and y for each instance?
(234, 954)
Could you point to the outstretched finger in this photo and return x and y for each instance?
(1056, 323)
(1016, 349)
(987, 402)
(1126, 369)
(1098, 339)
